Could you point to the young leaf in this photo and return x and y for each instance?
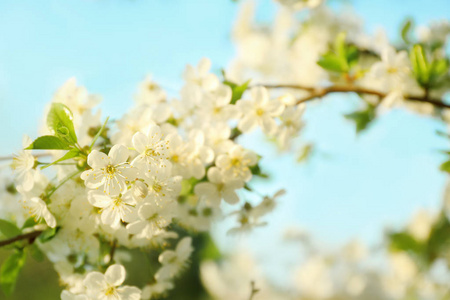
(9, 229)
(341, 58)
(237, 90)
(10, 270)
(36, 253)
(445, 166)
(30, 222)
(362, 118)
(406, 29)
(49, 142)
(352, 55)
(403, 241)
(305, 152)
(331, 62)
(70, 154)
(339, 45)
(438, 69)
(60, 121)
(420, 65)
(48, 234)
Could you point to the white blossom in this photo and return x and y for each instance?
(216, 188)
(109, 172)
(259, 111)
(108, 286)
(236, 162)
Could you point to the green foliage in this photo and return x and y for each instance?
(36, 253)
(187, 186)
(362, 118)
(403, 241)
(30, 222)
(406, 30)
(60, 121)
(10, 270)
(74, 152)
(49, 142)
(256, 170)
(425, 252)
(48, 234)
(209, 251)
(9, 229)
(427, 73)
(341, 58)
(445, 166)
(439, 241)
(237, 90)
(305, 152)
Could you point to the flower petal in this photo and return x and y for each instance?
(93, 178)
(118, 154)
(95, 281)
(115, 275)
(97, 159)
(129, 293)
(140, 141)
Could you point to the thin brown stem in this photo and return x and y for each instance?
(253, 291)
(112, 252)
(321, 92)
(35, 155)
(31, 236)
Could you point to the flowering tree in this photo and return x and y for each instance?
(90, 191)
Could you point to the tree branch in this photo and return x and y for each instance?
(253, 291)
(321, 92)
(112, 251)
(35, 155)
(31, 236)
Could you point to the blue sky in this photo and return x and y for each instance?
(354, 186)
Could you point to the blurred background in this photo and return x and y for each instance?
(351, 188)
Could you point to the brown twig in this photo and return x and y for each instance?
(31, 236)
(35, 155)
(253, 291)
(321, 92)
(112, 252)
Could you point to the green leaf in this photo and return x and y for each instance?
(438, 69)
(305, 153)
(406, 29)
(445, 166)
(10, 270)
(49, 142)
(339, 45)
(403, 241)
(48, 234)
(352, 55)
(209, 251)
(9, 229)
(36, 253)
(420, 65)
(256, 170)
(237, 90)
(30, 222)
(70, 154)
(60, 121)
(362, 118)
(332, 62)
(98, 133)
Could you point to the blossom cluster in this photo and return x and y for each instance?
(88, 189)
(132, 185)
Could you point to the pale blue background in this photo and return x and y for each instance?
(351, 188)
